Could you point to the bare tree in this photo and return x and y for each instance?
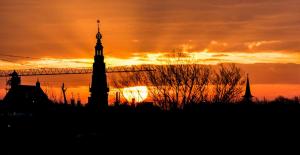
(174, 85)
(228, 82)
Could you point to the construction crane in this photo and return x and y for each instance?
(65, 71)
(60, 71)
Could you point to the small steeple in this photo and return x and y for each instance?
(38, 84)
(248, 96)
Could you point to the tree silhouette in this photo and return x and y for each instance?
(171, 86)
(183, 81)
(228, 83)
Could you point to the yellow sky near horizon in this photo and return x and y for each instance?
(203, 57)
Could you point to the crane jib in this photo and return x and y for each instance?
(66, 71)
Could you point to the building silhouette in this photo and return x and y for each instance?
(247, 98)
(24, 95)
(99, 88)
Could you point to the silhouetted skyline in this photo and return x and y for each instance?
(177, 64)
(264, 42)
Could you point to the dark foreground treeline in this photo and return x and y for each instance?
(61, 125)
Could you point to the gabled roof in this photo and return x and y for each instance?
(25, 94)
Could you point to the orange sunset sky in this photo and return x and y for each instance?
(263, 36)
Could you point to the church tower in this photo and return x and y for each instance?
(248, 96)
(15, 80)
(99, 88)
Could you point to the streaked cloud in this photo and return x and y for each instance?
(61, 29)
(257, 44)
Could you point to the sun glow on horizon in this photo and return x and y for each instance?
(138, 93)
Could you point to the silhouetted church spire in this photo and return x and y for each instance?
(248, 96)
(99, 88)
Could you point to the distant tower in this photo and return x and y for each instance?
(248, 96)
(99, 88)
(15, 80)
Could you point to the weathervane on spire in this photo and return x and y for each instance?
(98, 21)
(98, 36)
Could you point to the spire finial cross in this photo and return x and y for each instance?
(98, 21)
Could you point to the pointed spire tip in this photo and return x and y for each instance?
(98, 21)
